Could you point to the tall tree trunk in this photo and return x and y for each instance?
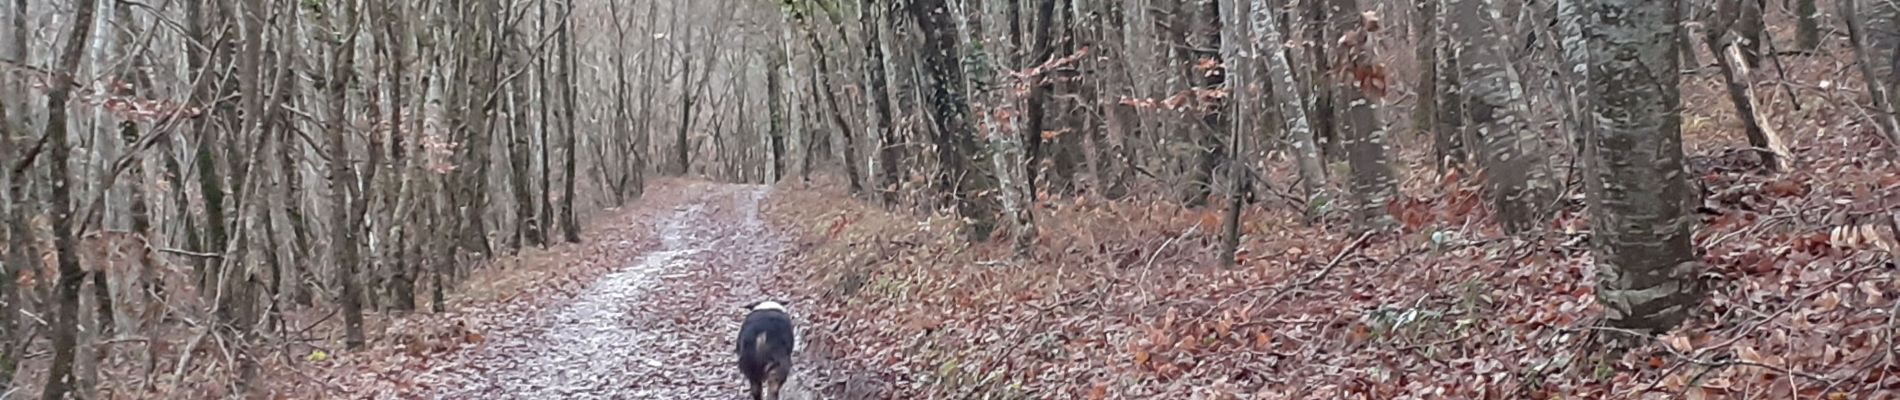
(521, 148)
(482, 92)
(1243, 56)
(1450, 139)
(775, 106)
(65, 325)
(16, 82)
(343, 182)
(1425, 112)
(1360, 88)
(570, 227)
(301, 291)
(1324, 111)
(1576, 93)
(623, 115)
(211, 275)
(401, 196)
(1268, 42)
(1516, 176)
(681, 154)
(1873, 30)
(13, 203)
(822, 59)
(1647, 272)
(1064, 147)
(963, 174)
(888, 142)
(14, 174)
(1121, 119)
(1029, 136)
(1209, 124)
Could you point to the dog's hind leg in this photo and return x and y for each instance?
(775, 377)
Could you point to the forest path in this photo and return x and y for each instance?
(660, 326)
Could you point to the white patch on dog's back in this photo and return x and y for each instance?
(768, 305)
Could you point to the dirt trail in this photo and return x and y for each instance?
(658, 327)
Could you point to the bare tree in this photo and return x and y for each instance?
(889, 144)
(1269, 43)
(1517, 176)
(1639, 196)
(963, 174)
(343, 178)
(1871, 31)
(65, 324)
(570, 226)
(1360, 84)
(1241, 54)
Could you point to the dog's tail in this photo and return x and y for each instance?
(760, 344)
(775, 358)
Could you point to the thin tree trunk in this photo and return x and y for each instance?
(1210, 125)
(1244, 55)
(343, 180)
(520, 149)
(623, 116)
(65, 325)
(1123, 120)
(822, 59)
(1268, 41)
(681, 155)
(1685, 44)
(1449, 133)
(570, 226)
(1732, 59)
(775, 106)
(1425, 113)
(888, 142)
(1324, 109)
(1873, 37)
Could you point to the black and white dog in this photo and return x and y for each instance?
(765, 348)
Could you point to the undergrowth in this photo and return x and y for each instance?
(1123, 299)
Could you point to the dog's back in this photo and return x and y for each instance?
(765, 349)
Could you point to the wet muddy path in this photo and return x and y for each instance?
(659, 325)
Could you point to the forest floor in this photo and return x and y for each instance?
(646, 307)
(1123, 299)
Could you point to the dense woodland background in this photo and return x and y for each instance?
(200, 188)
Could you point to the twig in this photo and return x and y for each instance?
(1712, 364)
(1164, 247)
(1791, 305)
(187, 253)
(1330, 265)
(35, 317)
(1689, 384)
(190, 347)
(1338, 258)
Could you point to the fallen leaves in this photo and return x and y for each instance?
(1440, 301)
